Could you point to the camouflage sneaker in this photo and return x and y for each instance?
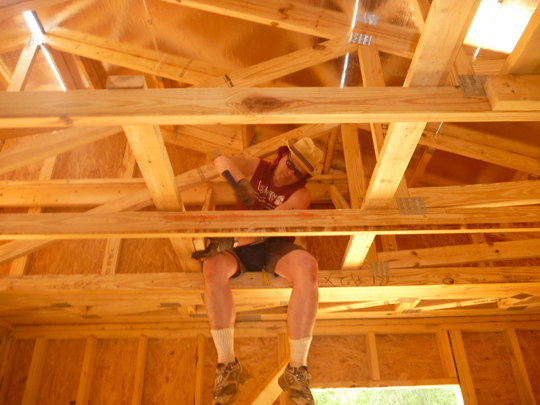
(295, 382)
(229, 378)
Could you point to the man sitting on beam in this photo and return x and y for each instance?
(273, 186)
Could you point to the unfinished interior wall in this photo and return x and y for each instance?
(406, 358)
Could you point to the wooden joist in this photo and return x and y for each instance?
(247, 106)
(460, 254)
(309, 20)
(96, 225)
(93, 192)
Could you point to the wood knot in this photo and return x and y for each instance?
(319, 47)
(262, 104)
(66, 120)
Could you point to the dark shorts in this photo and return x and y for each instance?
(265, 254)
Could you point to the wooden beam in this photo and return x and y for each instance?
(112, 250)
(481, 195)
(247, 106)
(172, 67)
(199, 377)
(202, 139)
(269, 390)
(525, 58)
(284, 65)
(24, 65)
(13, 44)
(513, 93)
(329, 153)
(12, 8)
(6, 366)
(373, 358)
(421, 10)
(97, 225)
(92, 192)
(460, 254)
(36, 370)
(486, 153)
(518, 367)
(420, 168)
(309, 20)
(142, 350)
(463, 370)
(445, 353)
(87, 371)
(52, 144)
(190, 179)
(19, 266)
(148, 147)
(337, 199)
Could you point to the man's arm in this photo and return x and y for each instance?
(300, 200)
(239, 167)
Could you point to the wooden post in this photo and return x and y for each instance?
(445, 352)
(518, 367)
(87, 371)
(463, 370)
(36, 370)
(139, 371)
(6, 366)
(283, 354)
(373, 359)
(199, 379)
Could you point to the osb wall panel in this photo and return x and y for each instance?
(148, 256)
(338, 358)
(20, 372)
(169, 377)
(99, 159)
(491, 370)
(183, 159)
(114, 372)
(29, 172)
(328, 251)
(258, 355)
(62, 372)
(529, 341)
(408, 357)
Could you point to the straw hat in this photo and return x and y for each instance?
(305, 151)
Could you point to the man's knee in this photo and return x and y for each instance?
(302, 267)
(220, 266)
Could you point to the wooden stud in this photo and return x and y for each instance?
(518, 367)
(269, 390)
(329, 154)
(337, 199)
(421, 10)
(199, 379)
(7, 364)
(139, 371)
(463, 370)
(87, 371)
(445, 353)
(36, 370)
(373, 358)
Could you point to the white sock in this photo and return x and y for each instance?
(224, 341)
(299, 351)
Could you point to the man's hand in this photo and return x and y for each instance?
(245, 194)
(215, 246)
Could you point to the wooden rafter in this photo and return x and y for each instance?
(24, 65)
(309, 20)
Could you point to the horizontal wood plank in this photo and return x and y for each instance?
(95, 225)
(247, 106)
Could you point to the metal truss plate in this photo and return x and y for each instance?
(360, 39)
(411, 206)
(472, 85)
